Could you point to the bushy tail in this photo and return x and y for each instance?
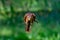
(28, 26)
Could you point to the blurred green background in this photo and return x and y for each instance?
(12, 25)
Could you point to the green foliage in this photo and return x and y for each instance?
(12, 24)
(32, 5)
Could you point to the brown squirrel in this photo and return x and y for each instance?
(29, 18)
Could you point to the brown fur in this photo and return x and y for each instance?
(27, 21)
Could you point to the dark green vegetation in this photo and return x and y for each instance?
(12, 25)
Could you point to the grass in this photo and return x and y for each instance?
(38, 32)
